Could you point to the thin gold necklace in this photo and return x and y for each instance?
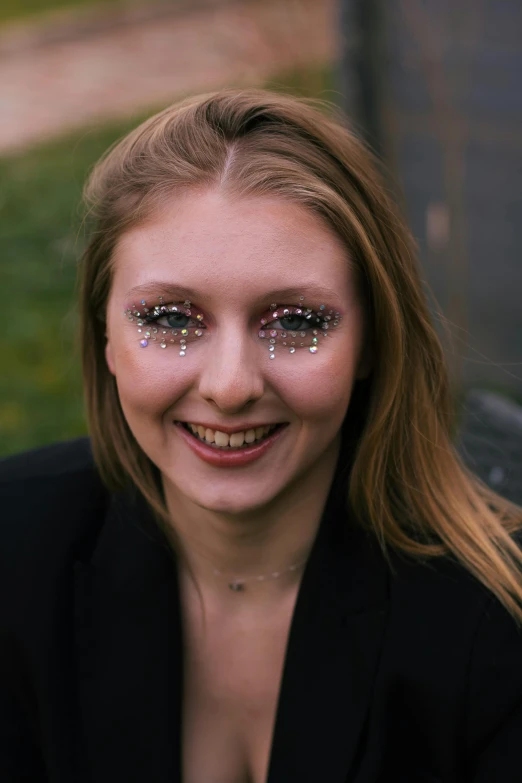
(239, 585)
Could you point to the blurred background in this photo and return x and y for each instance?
(432, 85)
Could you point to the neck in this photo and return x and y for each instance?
(245, 546)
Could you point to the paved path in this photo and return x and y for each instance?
(58, 77)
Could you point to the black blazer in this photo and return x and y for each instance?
(394, 672)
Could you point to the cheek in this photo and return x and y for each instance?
(317, 388)
(149, 380)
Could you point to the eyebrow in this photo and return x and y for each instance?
(156, 288)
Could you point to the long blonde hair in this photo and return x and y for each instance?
(406, 482)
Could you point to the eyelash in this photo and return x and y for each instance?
(166, 310)
(312, 319)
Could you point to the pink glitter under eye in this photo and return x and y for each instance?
(166, 325)
(301, 327)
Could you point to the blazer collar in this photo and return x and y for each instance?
(129, 652)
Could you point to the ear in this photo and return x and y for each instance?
(109, 357)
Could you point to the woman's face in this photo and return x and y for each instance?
(222, 361)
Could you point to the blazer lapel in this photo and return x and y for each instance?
(129, 654)
(333, 651)
(128, 638)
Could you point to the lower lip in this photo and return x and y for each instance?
(222, 458)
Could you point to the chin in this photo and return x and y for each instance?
(233, 500)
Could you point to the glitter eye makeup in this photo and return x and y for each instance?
(298, 323)
(166, 324)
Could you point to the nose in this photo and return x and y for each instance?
(232, 376)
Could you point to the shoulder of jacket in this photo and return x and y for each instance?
(51, 500)
(57, 460)
(441, 590)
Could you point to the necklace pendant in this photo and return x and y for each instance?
(237, 587)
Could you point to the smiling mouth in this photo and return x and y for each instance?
(236, 441)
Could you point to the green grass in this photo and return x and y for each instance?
(40, 244)
(14, 10)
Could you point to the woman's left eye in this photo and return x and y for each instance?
(296, 323)
(293, 322)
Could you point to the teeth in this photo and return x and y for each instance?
(221, 438)
(235, 441)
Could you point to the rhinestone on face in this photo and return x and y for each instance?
(272, 355)
(272, 341)
(262, 333)
(273, 333)
(292, 350)
(182, 353)
(163, 345)
(313, 349)
(144, 343)
(286, 312)
(143, 302)
(198, 332)
(271, 348)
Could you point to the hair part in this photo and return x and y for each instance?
(407, 483)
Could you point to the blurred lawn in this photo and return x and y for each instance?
(11, 10)
(40, 244)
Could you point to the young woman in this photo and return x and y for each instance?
(268, 563)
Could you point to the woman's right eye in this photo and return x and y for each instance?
(293, 322)
(174, 320)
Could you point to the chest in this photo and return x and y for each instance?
(232, 677)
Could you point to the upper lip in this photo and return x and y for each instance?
(230, 430)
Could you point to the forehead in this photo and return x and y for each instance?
(229, 248)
